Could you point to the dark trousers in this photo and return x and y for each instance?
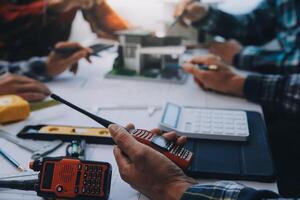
(284, 135)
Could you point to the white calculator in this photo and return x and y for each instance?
(204, 123)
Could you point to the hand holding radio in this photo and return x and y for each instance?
(139, 167)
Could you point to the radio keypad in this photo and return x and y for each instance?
(92, 180)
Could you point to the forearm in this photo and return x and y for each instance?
(225, 190)
(279, 94)
(35, 68)
(265, 61)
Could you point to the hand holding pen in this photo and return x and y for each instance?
(65, 56)
(189, 10)
(211, 73)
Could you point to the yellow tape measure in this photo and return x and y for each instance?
(69, 130)
(13, 108)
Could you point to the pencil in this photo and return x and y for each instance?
(11, 160)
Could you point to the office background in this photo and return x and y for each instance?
(152, 14)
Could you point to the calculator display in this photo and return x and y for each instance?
(171, 115)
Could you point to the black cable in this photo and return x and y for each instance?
(19, 185)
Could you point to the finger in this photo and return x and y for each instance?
(192, 69)
(68, 44)
(88, 58)
(157, 131)
(22, 79)
(34, 87)
(130, 127)
(172, 136)
(71, 60)
(181, 140)
(180, 9)
(131, 147)
(208, 59)
(30, 96)
(74, 68)
(121, 159)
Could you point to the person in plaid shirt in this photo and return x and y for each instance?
(271, 19)
(279, 96)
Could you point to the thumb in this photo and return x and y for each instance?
(188, 67)
(193, 69)
(125, 141)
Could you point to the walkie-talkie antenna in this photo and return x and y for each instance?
(100, 120)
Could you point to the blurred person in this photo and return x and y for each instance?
(30, 27)
(246, 33)
(157, 177)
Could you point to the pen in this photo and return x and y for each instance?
(11, 160)
(178, 18)
(68, 51)
(208, 67)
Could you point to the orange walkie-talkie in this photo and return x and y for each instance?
(178, 154)
(71, 178)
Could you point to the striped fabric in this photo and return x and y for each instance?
(277, 93)
(226, 190)
(34, 68)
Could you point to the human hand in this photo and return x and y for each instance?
(57, 63)
(222, 80)
(27, 88)
(191, 11)
(226, 50)
(147, 170)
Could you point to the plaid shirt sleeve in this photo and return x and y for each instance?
(265, 61)
(256, 28)
(34, 68)
(280, 94)
(225, 190)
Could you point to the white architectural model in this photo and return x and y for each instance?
(142, 50)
